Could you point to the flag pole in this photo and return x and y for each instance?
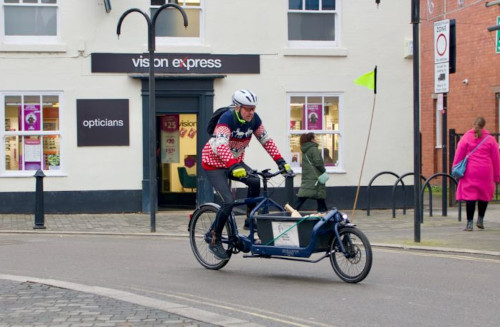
(366, 146)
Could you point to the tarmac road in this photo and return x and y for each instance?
(438, 234)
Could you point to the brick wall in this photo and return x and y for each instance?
(477, 61)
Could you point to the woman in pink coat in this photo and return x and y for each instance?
(483, 171)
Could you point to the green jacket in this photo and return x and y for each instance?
(311, 169)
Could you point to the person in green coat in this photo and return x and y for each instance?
(312, 167)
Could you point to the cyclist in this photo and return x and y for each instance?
(223, 155)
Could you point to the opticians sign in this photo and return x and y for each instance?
(102, 122)
(175, 63)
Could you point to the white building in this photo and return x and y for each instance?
(75, 99)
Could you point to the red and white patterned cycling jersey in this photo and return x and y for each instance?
(231, 138)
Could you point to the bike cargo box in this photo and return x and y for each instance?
(272, 225)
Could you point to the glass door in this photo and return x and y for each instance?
(177, 180)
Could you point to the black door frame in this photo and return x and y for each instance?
(187, 94)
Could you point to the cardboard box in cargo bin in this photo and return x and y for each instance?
(272, 225)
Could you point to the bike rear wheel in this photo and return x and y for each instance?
(354, 265)
(200, 226)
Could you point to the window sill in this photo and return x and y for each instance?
(184, 48)
(15, 47)
(316, 52)
(31, 174)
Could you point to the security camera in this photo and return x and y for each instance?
(465, 81)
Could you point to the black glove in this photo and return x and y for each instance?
(238, 171)
(282, 165)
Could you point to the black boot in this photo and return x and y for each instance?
(246, 226)
(480, 223)
(468, 227)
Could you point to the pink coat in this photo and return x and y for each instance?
(483, 167)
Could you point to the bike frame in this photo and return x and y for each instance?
(259, 250)
(247, 243)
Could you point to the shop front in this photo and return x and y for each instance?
(184, 101)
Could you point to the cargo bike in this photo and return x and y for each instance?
(281, 236)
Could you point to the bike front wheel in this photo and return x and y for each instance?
(354, 265)
(199, 237)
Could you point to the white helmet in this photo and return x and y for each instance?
(244, 98)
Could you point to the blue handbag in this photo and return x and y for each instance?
(458, 171)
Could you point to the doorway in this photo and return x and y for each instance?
(177, 95)
(177, 177)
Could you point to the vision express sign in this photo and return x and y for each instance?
(175, 63)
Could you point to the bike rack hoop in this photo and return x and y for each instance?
(370, 184)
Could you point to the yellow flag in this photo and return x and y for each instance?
(367, 80)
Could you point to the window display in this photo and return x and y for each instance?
(318, 113)
(177, 151)
(31, 132)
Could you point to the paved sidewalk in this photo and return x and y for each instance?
(63, 304)
(436, 232)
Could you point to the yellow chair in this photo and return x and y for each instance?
(187, 180)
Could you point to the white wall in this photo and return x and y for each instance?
(369, 37)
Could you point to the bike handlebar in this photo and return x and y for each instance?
(266, 174)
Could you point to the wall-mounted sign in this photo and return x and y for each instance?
(175, 63)
(442, 41)
(102, 122)
(441, 77)
(498, 35)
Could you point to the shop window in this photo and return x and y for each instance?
(31, 133)
(318, 113)
(169, 26)
(313, 23)
(30, 21)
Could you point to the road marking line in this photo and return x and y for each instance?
(268, 315)
(441, 255)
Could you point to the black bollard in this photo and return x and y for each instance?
(39, 209)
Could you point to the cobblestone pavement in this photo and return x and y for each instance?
(34, 304)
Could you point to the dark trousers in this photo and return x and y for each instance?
(470, 207)
(321, 204)
(219, 179)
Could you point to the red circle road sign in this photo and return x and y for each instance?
(441, 44)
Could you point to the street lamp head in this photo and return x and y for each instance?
(184, 16)
(122, 17)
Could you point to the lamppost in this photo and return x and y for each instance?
(415, 21)
(152, 93)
